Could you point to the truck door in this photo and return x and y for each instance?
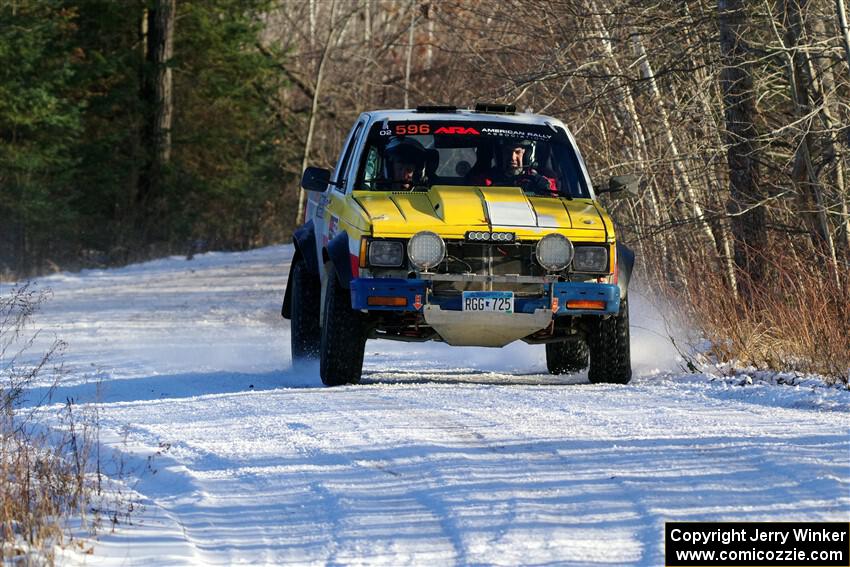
(332, 205)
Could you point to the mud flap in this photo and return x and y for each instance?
(286, 308)
(625, 263)
(304, 241)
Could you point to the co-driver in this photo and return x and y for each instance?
(511, 170)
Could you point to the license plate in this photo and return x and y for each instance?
(502, 301)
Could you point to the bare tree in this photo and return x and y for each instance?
(801, 87)
(314, 104)
(745, 204)
(409, 55)
(644, 88)
(841, 13)
(844, 191)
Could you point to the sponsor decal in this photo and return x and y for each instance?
(320, 207)
(457, 130)
(505, 133)
(333, 225)
(414, 129)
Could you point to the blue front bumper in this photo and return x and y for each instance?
(418, 293)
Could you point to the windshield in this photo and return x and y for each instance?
(414, 156)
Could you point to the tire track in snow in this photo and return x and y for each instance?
(753, 458)
(452, 422)
(395, 490)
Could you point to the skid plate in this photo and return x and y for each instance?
(484, 328)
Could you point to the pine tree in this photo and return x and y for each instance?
(39, 124)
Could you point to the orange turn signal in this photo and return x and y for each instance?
(585, 304)
(363, 247)
(387, 301)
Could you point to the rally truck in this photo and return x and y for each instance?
(474, 227)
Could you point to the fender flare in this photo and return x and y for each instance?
(304, 242)
(340, 257)
(625, 264)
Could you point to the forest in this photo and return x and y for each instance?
(135, 129)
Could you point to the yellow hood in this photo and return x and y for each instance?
(452, 211)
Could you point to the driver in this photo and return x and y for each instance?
(511, 169)
(404, 162)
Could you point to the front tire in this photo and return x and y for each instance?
(566, 357)
(305, 334)
(343, 337)
(610, 357)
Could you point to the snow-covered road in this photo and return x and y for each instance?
(441, 456)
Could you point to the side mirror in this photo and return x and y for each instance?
(316, 179)
(619, 183)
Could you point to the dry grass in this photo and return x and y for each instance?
(43, 472)
(798, 320)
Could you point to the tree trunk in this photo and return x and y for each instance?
(409, 54)
(845, 191)
(158, 95)
(710, 101)
(367, 24)
(311, 8)
(681, 178)
(314, 109)
(745, 207)
(824, 87)
(845, 31)
(803, 175)
(660, 216)
(161, 52)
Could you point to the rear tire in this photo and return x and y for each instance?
(305, 334)
(610, 360)
(566, 357)
(343, 337)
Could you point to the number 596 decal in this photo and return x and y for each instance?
(412, 129)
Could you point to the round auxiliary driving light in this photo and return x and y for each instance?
(554, 252)
(426, 250)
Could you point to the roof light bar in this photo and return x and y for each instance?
(436, 108)
(495, 108)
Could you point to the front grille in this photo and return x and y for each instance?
(489, 259)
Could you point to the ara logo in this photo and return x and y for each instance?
(457, 130)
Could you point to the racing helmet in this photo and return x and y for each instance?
(505, 147)
(406, 151)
